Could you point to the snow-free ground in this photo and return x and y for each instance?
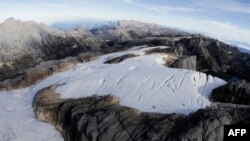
(142, 82)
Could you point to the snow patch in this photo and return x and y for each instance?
(141, 82)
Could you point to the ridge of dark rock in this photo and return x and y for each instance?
(234, 92)
(102, 118)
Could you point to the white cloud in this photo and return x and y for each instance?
(45, 5)
(220, 30)
(130, 1)
(163, 8)
(225, 5)
(223, 25)
(33, 5)
(238, 8)
(225, 31)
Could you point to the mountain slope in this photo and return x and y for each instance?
(141, 82)
(25, 44)
(131, 30)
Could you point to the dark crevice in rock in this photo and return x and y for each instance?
(119, 59)
(160, 50)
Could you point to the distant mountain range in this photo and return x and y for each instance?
(242, 46)
(22, 41)
(86, 24)
(94, 25)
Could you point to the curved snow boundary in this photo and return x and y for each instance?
(141, 82)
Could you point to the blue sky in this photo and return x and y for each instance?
(223, 19)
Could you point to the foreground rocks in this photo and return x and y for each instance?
(235, 92)
(102, 118)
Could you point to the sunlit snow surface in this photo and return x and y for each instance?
(141, 82)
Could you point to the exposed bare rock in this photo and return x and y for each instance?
(26, 44)
(37, 73)
(119, 59)
(171, 49)
(102, 118)
(215, 57)
(88, 56)
(159, 50)
(33, 75)
(188, 62)
(204, 125)
(234, 92)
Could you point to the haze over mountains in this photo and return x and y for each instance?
(86, 24)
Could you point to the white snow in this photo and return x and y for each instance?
(141, 82)
(17, 119)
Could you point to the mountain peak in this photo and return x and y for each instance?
(10, 21)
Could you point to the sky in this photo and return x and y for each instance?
(223, 19)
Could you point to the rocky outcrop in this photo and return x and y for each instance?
(102, 118)
(160, 50)
(234, 92)
(119, 59)
(213, 57)
(188, 62)
(33, 75)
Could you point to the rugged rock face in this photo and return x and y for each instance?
(186, 63)
(214, 57)
(102, 118)
(119, 59)
(33, 75)
(26, 44)
(234, 92)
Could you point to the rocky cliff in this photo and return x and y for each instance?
(26, 44)
(103, 118)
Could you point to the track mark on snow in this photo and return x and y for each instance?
(144, 81)
(121, 78)
(164, 83)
